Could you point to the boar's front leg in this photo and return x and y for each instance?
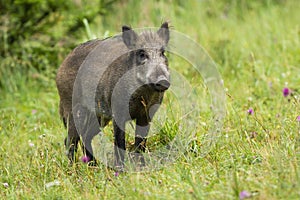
(119, 147)
(141, 132)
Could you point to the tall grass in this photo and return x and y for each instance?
(256, 47)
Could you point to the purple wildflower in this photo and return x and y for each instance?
(244, 194)
(298, 118)
(5, 185)
(85, 159)
(250, 111)
(116, 173)
(286, 92)
(33, 111)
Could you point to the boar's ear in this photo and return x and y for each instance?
(164, 32)
(129, 37)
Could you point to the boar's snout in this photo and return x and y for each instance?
(161, 84)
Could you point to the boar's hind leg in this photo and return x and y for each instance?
(88, 127)
(72, 139)
(91, 130)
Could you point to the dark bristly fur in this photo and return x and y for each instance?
(141, 90)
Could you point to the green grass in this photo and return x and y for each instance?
(255, 45)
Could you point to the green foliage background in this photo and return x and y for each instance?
(256, 47)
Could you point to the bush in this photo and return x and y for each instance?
(37, 34)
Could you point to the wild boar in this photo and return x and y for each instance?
(126, 80)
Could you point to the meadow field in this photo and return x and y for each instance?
(255, 46)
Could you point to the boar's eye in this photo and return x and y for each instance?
(142, 56)
(162, 52)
